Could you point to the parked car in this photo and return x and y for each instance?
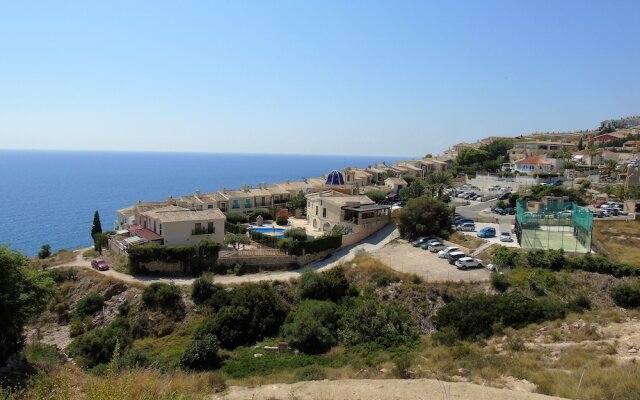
(436, 247)
(467, 227)
(505, 237)
(429, 242)
(487, 232)
(419, 241)
(100, 264)
(468, 262)
(504, 196)
(464, 221)
(454, 256)
(556, 182)
(564, 214)
(443, 253)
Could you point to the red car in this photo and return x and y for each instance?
(100, 264)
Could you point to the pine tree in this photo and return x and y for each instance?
(580, 144)
(97, 226)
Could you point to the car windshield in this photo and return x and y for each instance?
(505, 233)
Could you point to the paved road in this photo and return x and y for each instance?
(370, 244)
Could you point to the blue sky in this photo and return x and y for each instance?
(344, 77)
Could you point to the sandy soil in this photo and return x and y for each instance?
(370, 389)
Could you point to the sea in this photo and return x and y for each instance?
(49, 197)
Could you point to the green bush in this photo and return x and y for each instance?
(97, 346)
(401, 366)
(310, 373)
(367, 321)
(424, 216)
(376, 195)
(329, 285)
(317, 245)
(255, 311)
(297, 234)
(45, 251)
(499, 282)
(161, 296)
(63, 274)
(236, 217)
(201, 290)
(263, 212)
(237, 229)
(626, 295)
(192, 259)
(202, 354)
(473, 317)
(89, 305)
(282, 220)
(311, 327)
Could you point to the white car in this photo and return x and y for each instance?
(467, 227)
(468, 262)
(436, 247)
(443, 253)
(505, 237)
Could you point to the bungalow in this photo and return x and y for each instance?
(377, 175)
(532, 165)
(604, 138)
(357, 176)
(587, 157)
(430, 166)
(526, 149)
(631, 144)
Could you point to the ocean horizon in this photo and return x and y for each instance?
(49, 196)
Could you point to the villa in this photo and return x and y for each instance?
(522, 150)
(354, 214)
(533, 164)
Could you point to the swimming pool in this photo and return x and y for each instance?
(277, 232)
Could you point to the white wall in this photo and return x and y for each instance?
(180, 233)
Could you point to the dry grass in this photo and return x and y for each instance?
(620, 238)
(60, 257)
(467, 241)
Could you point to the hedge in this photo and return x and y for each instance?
(297, 248)
(192, 259)
(235, 228)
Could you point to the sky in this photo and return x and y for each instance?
(396, 78)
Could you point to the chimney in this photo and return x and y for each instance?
(197, 193)
(222, 190)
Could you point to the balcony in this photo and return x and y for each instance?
(202, 231)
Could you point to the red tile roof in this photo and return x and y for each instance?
(533, 160)
(144, 233)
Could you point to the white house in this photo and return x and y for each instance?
(396, 184)
(173, 225)
(532, 165)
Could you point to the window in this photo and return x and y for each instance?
(316, 210)
(210, 206)
(324, 212)
(210, 228)
(247, 203)
(235, 204)
(160, 229)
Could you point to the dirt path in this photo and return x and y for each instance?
(370, 389)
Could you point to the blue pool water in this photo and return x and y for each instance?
(278, 232)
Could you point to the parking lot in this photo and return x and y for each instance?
(403, 257)
(504, 226)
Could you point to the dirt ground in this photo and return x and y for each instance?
(402, 256)
(370, 389)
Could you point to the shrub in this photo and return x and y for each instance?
(626, 295)
(202, 354)
(282, 220)
(161, 296)
(367, 321)
(201, 290)
(63, 274)
(89, 304)
(192, 259)
(311, 327)
(499, 282)
(263, 212)
(255, 311)
(297, 234)
(310, 373)
(236, 217)
(473, 317)
(45, 251)
(424, 216)
(97, 346)
(329, 285)
(376, 195)
(401, 366)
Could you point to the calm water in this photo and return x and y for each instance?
(50, 197)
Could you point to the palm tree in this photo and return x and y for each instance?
(609, 166)
(438, 181)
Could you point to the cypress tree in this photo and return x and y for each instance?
(97, 226)
(580, 145)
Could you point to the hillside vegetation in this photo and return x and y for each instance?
(564, 332)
